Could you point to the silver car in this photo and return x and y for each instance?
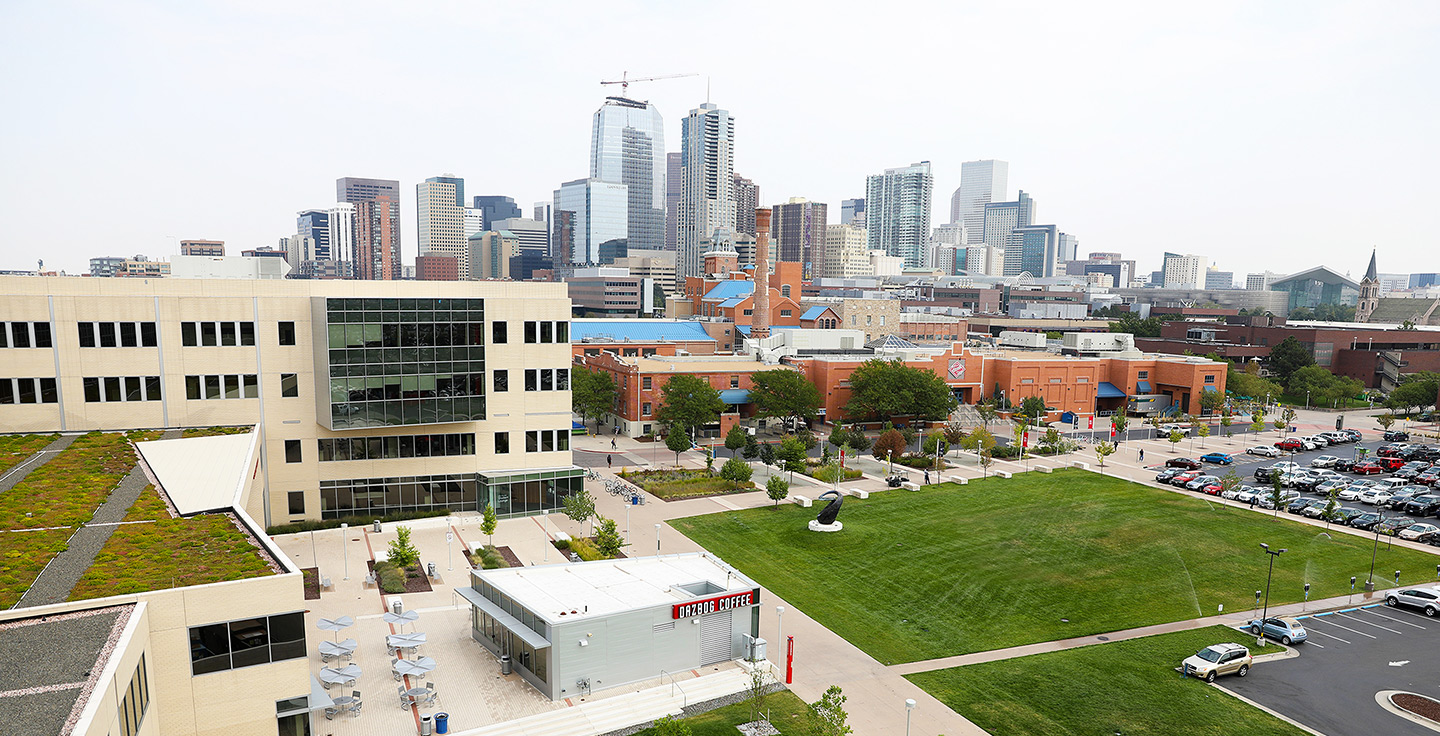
(1425, 599)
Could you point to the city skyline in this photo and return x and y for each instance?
(1115, 165)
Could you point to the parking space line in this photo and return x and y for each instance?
(1367, 623)
(1396, 620)
(1309, 643)
(1332, 636)
(1397, 609)
(1347, 628)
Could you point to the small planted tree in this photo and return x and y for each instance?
(767, 456)
(402, 553)
(1288, 415)
(1120, 423)
(1386, 421)
(1277, 493)
(1176, 437)
(828, 713)
(677, 442)
(890, 444)
(488, 522)
(580, 507)
(777, 489)
(668, 726)
(954, 433)
(985, 459)
(839, 437)
(1204, 431)
(607, 537)
(1104, 450)
(1051, 440)
(751, 449)
(1229, 482)
(791, 455)
(735, 439)
(1331, 504)
(1279, 425)
(1226, 420)
(736, 471)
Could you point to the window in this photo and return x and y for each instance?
(287, 333)
(645, 409)
(645, 383)
(147, 334)
(42, 334)
(247, 333)
(882, 320)
(136, 701)
(23, 391)
(129, 337)
(252, 386)
(547, 332)
(1210, 379)
(228, 386)
(501, 381)
(502, 443)
(1142, 375)
(187, 334)
(854, 319)
(289, 386)
(292, 451)
(785, 290)
(395, 446)
(532, 381)
(87, 335)
(734, 382)
(531, 331)
(867, 320)
(562, 332)
(547, 380)
(499, 332)
(532, 441)
(209, 334)
(562, 379)
(785, 313)
(115, 388)
(223, 646)
(107, 334)
(297, 502)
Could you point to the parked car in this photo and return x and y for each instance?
(1316, 509)
(1264, 451)
(1428, 477)
(1344, 465)
(1365, 521)
(1412, 470)
(1352, 492)
(1218, 659)
(1287, 630)
(1249, 494)
(1369, 467)
(1391, 450)
(1336, 437)
(1308, 444)
(1165, 475)
(1344, 514)
(1267, 501)
(1374, 496)
(1299, 504)
(1330, 484)
(1391, 463)
(1183, 462)
(1292, 444)
(1419, 532)
(1395, 435)
(1164, 430)
(1401, 497)
(1324, 461)
(1181, 479)
(1353, 434)
(1219, 458)
(1393, 525)
(1318, 440)
(1425, 599)
(1425, 505)
(1200, 482)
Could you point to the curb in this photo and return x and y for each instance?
(1383, 699)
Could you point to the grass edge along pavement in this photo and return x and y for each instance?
(1127, 687)
(999, 563)
(788, 713)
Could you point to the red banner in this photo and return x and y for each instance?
(1091, 420)
(1025, 439)
(715, 605)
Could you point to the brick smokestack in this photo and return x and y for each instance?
(760, 319)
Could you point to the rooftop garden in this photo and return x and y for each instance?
(14, 448)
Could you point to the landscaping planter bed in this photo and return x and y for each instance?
(676, 485)
(414, 583)
(1417, 704)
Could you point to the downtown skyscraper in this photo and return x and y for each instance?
(627, 146)
(707, 196)
(440, 220)
(981, 182)
(376, 231)
(897, 212)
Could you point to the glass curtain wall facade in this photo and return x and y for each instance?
(981, 182)
(600, 217)
(627, 146)
(897, 215)
(515, 494)
(395, 362)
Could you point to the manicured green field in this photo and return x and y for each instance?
(788, 714)
(1128, 687)
(998, 563)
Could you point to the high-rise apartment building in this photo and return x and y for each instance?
(202, 247)
(674, 182)
(797, 232)
(627, 146)
(981, 182)
(852, 212)
(1217, 279)
(707, 196)
(333, 231)
(845, 252)
(375, 238)
(1260, 281)
(440, 220)
(597, 224)
(984, 260)
(949, 234)
(747, 200)
(494, 207)
(897, 218)
(1184, 271)
(1001, 218)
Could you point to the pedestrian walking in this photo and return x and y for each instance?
(612, 443)
(609, 462)
(927, 477)
(1142, 454)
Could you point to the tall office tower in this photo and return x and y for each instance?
(981, 182)
(542, 214)
(202, 247)
(897, 217)
(674, 182)
(495, 207)
(376, 235)
(1184, 272)
(798, 234)
(707, 196)
(852, 212)
(597, 222)
(474, 222)
(490, 254)
(1001, 218)
(1033, 249)
(949, 234)
(1260, 281)
(1068, 248)
(747, 200)
(1217, 279)
(627, 146)
(530, 234)
(845, 256)
(440, 220)
(314, 224)
(983, 260)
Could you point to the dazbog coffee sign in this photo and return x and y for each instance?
(717, 604)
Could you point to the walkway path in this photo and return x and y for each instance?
(64, 571)
(17, 473)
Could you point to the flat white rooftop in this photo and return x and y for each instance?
(201, 474)
(590, 589)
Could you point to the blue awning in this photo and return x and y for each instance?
(1107, 390)
(1142, 386)
(735, 395)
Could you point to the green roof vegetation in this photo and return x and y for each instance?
(14, 448)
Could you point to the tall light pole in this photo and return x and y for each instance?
(344, 532)
(1370, 580)
(1260, 640)
(779, 626)
(909, 709)
(657, 540)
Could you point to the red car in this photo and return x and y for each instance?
(1291, 444)
(1389, 463)
(1367, 468)
(1213, 489)
(1185, 477)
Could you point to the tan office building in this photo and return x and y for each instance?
(372, 397)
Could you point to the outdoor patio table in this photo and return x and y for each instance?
(414, 667)
(405, 641)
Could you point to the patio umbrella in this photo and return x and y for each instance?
(402, 618)
(338, 675)
(415, 667)
(335, 625)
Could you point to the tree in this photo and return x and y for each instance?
(1277, 493)
(1279, 425)
(1210, 401)
(985, 459)
(1331, 503)
(607, 537)
(932, 443)
(1033, 407)
(828, 713)
(736, 471)
(402, 553)
(1229, 482)
(1417, 390)
(735, 439)
(1119, 422)
(1386, 421)
(1204, 431)
(1334, 312)
(954, 433)
(1288, 415)
(677, 442)
(1051, 439)
(1133, 324)
(978, 439)
(1104, 450)
(767, 456)
(890, 444)
(592, 394)
(752, 448)
(1247, 383)
(580, 506)
(488, 522)
(756, 689)
(888, 388)
(1176, 437)
(668, 726)
(839, 437)
(688, 401)
(777, 489)
(784, 392)
(791, 454)
(1288, 356)
(1226, 419)
(857, 440)
(987, 412)
(1322, 386)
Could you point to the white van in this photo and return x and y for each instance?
(1391, 484)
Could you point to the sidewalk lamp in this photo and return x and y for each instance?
(779, 623)
(657, 540)
(1370, 579)
(909, 710)
(1260, 640)
(344, 532)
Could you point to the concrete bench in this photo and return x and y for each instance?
(1080, 465)
(909, 486)
(856, 492)
(800, 501)
(562, 536)
(1002, 474)
(958, 479)
(1044, 468)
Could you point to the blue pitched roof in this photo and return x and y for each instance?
(1108, 390)
(731, 289)
(813, 313)
(638, 330)
(733, 302)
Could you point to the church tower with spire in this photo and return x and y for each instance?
(1369, 292)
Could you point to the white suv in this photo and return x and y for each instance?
(1426, 599)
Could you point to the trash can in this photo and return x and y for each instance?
(431, 570)
(442, 723)
(397, 607)
(376, 527)
(505, 664)
(425, 724)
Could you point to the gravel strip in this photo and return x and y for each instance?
(59, 578)
(23, 469)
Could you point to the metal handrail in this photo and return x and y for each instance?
(674, 685)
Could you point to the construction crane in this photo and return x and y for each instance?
(625, 80)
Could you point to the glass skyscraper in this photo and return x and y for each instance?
(707, 198)
(897, 212)
(981, 182)
(598, 219)
(627, 146)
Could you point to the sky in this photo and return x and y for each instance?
(1268, 136)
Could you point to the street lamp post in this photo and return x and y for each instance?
(779, 625)
(657, 540)
(1260, 640)
(909, 710)
(1370, 579)
(344, 532)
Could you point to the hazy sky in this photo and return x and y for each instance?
(1267, 135)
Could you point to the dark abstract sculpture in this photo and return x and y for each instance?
(832, 509)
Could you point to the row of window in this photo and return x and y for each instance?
(394, 447)
(521, 493)
(212, 334)
(247, 642)
(28, 391)
(25, 335)
(546, 379)
(111, 389)
(232, 386)
(117, 334)
(135, 701)
(542, 332)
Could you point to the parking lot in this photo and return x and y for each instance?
(1351, 655)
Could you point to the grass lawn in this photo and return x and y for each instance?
(672, 484)
(1125, 687)
(14, 448)
(997, 563)
(788, 714)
